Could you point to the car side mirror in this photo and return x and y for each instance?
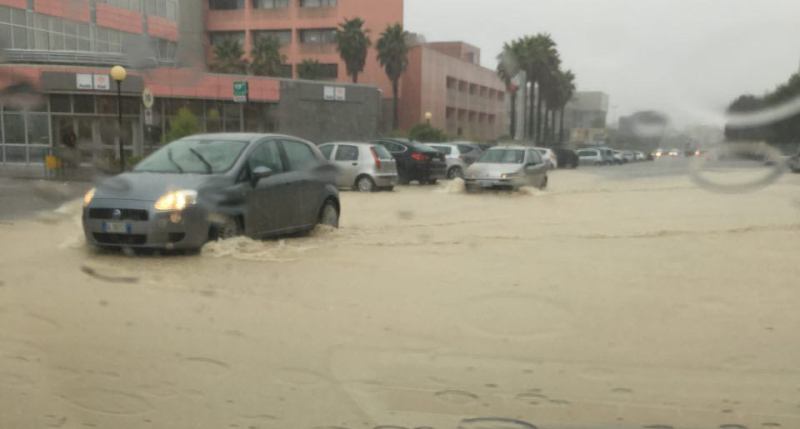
(259, 173)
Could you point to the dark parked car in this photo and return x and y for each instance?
(416, 161)
(213, 186)
(566, 158)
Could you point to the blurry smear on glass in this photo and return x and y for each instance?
(761, 134)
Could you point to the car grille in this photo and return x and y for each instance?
(122, 239)
(125, 214)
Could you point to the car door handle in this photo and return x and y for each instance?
(355, 163)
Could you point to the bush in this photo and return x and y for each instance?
(426, 133)
(184, 124)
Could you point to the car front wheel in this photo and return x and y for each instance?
(329, 215)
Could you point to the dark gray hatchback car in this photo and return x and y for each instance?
(212, 186)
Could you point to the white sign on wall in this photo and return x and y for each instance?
(102, 82)
(84, 81)
(335, 93)
(329, 93)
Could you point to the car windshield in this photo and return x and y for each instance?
(502, 156)
(197, 156)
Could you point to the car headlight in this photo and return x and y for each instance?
(176, 200)
(509, 175)
(87, 199)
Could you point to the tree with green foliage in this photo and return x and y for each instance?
(538, 57)
(267, 59)
(427, 133)
(184, 124)
(393, 55)
(773, 117)
(309, 69)
(228, 57)
(353, 43)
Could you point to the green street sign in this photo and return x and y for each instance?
(240, 91)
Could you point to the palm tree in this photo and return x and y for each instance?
(393, 56)
(507, 69)
(267, 59)
(309, 69)
(228, 57)
(542, 60)
(352, 41)
(566, 92)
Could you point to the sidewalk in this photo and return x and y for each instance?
(37, 171)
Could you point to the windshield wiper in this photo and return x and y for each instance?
(172, 160)
(209, 167)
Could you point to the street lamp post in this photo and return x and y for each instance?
(428, 117)
(118, 73)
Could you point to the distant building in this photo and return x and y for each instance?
(463, 98)
(305, 28)
(585, 117)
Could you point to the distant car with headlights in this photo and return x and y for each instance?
(507, 167)
(365, 167)
(214, 186)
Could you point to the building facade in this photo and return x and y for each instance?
(463, 98)
(306, 29)
(65, 48)
(585, 118)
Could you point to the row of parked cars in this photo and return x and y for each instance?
(609, 156)
(384, 163)
(215, 186)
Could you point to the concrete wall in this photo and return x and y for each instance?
(305, 113)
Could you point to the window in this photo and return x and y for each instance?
(83, 103)
(220, 36)
(382, 153)
(126, 4)
(14, 128)
(328, 71)
(318, 36)
(266, 155)
(326, 150)
(60, 103)
(283, 36)
(347, 153)
(38, 129)
(270, 4)
(225, 4)
(465, 148)
(447, 150)
(534, 157)
(317, 3)
(300, 156)
(164, 8)
(394, 147)
(165, 50)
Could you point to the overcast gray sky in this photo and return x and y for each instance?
(688, 58)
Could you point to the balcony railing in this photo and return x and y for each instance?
(69, 57)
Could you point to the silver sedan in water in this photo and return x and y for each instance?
(365, 167)
(214, 186)
(507, 167)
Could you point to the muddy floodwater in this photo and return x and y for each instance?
(599, 302)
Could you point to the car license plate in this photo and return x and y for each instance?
(116, 227)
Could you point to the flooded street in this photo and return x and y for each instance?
(619, 297)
